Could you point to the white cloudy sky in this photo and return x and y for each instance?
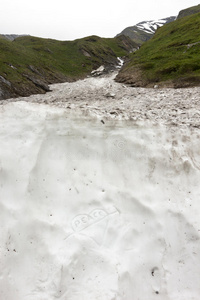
(68, 20)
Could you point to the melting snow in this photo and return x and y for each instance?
(150, 26)
(99, 196)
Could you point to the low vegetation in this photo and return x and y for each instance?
(28, 64)
(189, 11)
(170, 58)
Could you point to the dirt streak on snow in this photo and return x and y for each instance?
(99, 194)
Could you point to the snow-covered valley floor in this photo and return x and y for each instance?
(100, 193)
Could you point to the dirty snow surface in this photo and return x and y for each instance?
(100, 193)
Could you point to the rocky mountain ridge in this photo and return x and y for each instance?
(189, 11)
(143, 31)
(11, 37)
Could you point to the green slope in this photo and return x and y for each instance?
(171, 57)
(137, 35)
(189, 11)
(28, 64)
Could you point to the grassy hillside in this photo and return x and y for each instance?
(170, 58)
(28, 64)
(137, 35)
(189, 11)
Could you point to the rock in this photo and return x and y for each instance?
(5, 92)
(98, 71)
(5, 81)
(1, 94)
(34, 70)
(10, 65)
(87, 54)
(110, 95)
(113, 113)
(38, 83)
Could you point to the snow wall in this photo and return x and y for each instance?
(94, 211)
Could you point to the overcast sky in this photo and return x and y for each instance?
(69, 20)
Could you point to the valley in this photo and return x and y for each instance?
(100, 166)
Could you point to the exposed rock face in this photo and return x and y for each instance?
(127, 43)
(2, 79)
(85, 53)
(12, 37)
(38, 82)
(5, 87)
(4, 93)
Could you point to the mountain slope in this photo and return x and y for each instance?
(28, 64)
(143, 31)
(189, 11)
(11, 37)
(170, 58)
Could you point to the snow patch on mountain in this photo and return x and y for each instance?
(143, 31)
(152, 25)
